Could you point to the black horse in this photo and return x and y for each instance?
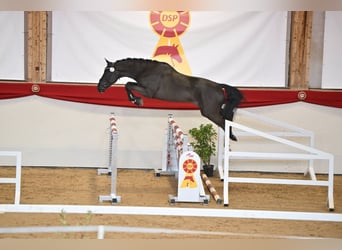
(159, 80)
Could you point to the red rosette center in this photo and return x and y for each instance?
(189, 166)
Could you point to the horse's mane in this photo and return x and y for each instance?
(138, 60)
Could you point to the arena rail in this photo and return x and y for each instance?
(172, 211)
(101, 230)
(17, 179)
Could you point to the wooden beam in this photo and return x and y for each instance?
(36, 45)
(300, 47)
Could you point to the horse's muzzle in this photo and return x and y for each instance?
(101, 87)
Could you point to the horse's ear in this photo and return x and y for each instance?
(108, 62)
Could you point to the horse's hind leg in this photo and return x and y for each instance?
(229, 110)
(212, 112)
(218, 119)
(215, 118)
(228, 113)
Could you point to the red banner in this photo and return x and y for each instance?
(117, 96)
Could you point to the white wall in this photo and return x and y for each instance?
(58, 133)
(332, 51)
(217, 44)
(12, 45)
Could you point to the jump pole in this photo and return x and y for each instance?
(171, 148)
(112, 165)
(212, 189)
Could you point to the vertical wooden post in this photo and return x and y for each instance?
(36, 45)
(300, 45)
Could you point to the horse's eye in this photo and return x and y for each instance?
(111, 69)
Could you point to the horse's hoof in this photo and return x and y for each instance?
(138, 101)
(233, 137)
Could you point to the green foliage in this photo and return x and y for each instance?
(88, 218)
(62, 218)
(204, 143)
(70, 235)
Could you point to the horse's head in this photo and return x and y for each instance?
(108, 78)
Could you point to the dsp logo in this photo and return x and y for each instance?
(169, 17)
(169, 26)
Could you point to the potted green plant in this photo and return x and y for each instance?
(204, 144)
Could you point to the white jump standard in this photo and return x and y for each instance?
(309, 155)
(112, 164)
(180, 160)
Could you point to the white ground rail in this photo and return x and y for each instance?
(17, 179)
(172, 211)
(310, 154)
(101, 231)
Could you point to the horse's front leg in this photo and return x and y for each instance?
(131, 97)
(140, 89)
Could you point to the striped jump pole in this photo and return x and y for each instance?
(175, 143)
(211, 189)
(112, 165)
(178, 137)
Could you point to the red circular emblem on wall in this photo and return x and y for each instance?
(35, 88)
(302, 95)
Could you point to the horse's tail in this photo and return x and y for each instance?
(232, 98)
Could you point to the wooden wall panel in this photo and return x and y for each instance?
(300, 45)
(36, 45)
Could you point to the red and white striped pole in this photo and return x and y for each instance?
(211, 189)
(178, 136)
(113, 124)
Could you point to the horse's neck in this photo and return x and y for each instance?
(132, 69)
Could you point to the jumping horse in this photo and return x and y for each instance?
(154, 79)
